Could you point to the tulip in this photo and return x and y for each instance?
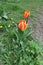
(26, 14)
(22, 25)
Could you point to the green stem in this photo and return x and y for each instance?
(27, 20)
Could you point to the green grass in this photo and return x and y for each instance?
(16, 8)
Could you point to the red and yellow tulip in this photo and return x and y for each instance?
(22, 25)
(26, 14)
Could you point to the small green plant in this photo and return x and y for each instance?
(17, 48)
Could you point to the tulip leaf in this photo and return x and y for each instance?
(27, 33)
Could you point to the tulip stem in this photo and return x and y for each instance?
(27, 20)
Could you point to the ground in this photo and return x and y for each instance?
(37, 26)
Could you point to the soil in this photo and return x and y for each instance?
(37, 26)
